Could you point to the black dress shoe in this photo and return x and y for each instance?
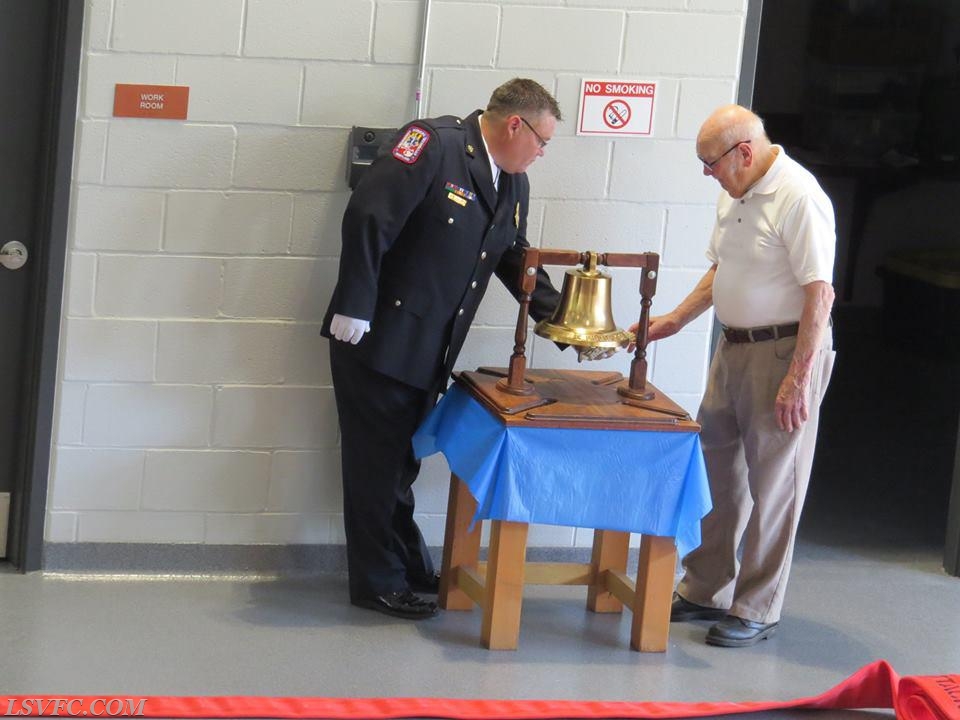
(733, 631)
(429, 584)
(402, 604)
(682, 609)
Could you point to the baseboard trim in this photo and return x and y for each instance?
(4, 522)
(194, 558)
(252, 560)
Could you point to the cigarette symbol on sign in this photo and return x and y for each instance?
(616, 114)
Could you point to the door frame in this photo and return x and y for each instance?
(748, 59)
(951, 552)
(42, 340)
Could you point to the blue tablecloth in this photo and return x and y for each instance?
(640, 481)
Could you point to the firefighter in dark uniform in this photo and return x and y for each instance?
(442, 209)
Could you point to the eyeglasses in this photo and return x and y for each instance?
(543, 143)
(711, 165)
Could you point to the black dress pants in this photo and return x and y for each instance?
(378, 417)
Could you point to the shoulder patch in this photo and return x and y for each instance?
(411, 145)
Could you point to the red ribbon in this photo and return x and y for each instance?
(935, 697)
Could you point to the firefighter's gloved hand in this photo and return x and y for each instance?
(594, 353)
(348, 329)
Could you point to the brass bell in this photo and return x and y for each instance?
(584, 315)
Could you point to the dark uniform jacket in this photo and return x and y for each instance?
(422, 234)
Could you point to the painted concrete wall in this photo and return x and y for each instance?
(194, 401)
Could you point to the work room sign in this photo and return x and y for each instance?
(151, 101)
(616, 107)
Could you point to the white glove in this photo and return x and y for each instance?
(594, 353)
(348, 329)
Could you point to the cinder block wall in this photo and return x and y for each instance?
(194, 402)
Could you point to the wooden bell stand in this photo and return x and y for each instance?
(570, 399)
(533, 259)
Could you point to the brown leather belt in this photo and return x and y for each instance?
(759, 334)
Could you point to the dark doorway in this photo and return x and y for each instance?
(39, 62)
(866, 94)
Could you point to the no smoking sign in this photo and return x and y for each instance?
(616, 114)
(616, 107)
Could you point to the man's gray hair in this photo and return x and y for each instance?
(522, 96)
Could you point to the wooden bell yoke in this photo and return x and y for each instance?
(533, 259)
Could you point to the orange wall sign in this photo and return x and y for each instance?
(151, 101)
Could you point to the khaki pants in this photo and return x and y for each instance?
(758, 478)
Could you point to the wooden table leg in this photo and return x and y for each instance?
(503, 587)
(651, 604)
(461, 546)
(610, 549)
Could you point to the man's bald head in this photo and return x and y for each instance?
(734, 148)
(731, 124)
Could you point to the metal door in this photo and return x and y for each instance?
(39, 40)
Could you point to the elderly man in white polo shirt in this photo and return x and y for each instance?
(772, 252)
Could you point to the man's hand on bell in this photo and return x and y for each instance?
(659, 327)
(348, 329)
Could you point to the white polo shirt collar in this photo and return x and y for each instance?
(772, 179)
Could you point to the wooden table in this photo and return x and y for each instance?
(497, 585)
(577, 400)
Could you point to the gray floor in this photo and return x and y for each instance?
(82, 634)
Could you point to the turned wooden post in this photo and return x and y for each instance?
(636, 388)
(514, 383)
